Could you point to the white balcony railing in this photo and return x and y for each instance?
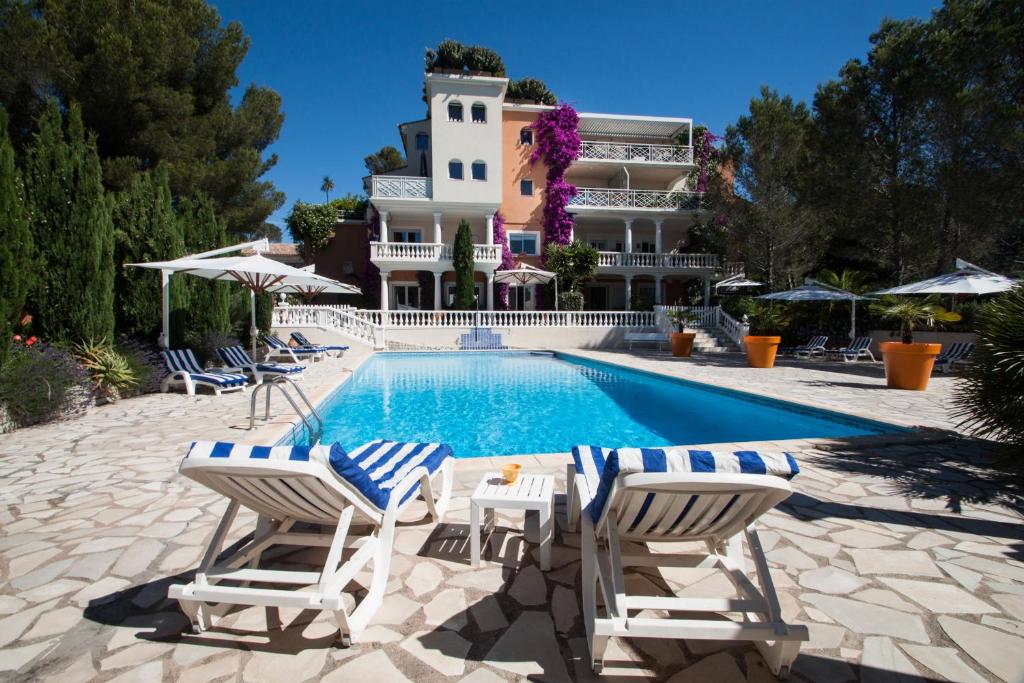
(429, 252)
(401, 187)
(393, 319)
(615, 259)
(616, 198)
(628, 151)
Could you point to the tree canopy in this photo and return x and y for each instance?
(385, 159)
(153, 79)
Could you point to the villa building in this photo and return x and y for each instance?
(470, 158)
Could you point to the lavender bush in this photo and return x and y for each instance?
(145, 362)
(40, 382)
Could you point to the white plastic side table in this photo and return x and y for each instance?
(531, 492)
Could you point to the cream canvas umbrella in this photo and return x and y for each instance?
(812, 290)
(966, 279)
(257, 273)
(524, 274)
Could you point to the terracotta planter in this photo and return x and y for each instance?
(682, 343)
(761, 351)
(909, 366)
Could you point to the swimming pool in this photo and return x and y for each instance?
(520, 402)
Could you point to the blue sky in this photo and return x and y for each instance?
(349, 72)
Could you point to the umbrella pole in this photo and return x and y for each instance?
(853, 320)
(165, 309)
(252, 322)
(556, 294)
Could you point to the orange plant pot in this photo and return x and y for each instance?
(682, 343)
(908, 366)
(761, 351)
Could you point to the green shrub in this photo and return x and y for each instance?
(532, 90)
(479, 58)
(462, 263)
(989, 402)
(766, 319)
(571, 301)
(450, 54)
(40, 382)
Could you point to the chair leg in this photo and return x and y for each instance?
(779, 656)
(438, 506)
(572, 514)
(596, 645)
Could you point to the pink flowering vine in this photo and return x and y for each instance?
(501, 289)
(557, 145)
(707, 156)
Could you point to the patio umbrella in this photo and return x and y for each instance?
(739, 281)
(812, 290)
(257, 273)
(966, 279)
(525, 274)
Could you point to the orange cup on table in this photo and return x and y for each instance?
(510, 472)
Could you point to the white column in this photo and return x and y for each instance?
(437, 290)
(165, 309)
(707, 291)
(384, 290)
(490, 230)
(629, 235)
(657, 235)
(437, 229)
(383, 227)
(629, 292)
(490, 291)
(657, 290)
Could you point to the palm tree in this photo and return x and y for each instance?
(327, 186)
(855, 281)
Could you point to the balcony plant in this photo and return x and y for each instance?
(908, 365)
(681, 339)
(767, 322)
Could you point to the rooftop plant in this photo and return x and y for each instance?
(908, 314)
(532, 90)
(452, 55)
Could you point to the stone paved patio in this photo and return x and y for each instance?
(904, 556)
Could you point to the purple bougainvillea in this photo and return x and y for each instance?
(558, 145)
(506, 257)
(707, 156)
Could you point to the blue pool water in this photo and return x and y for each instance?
(512, 403)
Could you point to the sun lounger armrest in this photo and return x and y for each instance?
(398, 493)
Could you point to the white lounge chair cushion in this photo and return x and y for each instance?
(602, 466)
(372, 469)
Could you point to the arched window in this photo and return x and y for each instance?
(455, 111)
(479, 112)
(526, 136)
(479, 170)
(455, 169)
(422, 141)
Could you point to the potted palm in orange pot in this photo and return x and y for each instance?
(908, 365)
(766, 325)
(682, 341)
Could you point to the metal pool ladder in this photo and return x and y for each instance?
(282, 383)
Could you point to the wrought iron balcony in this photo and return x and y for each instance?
(401, 187)
(635, 152)
(615, 198)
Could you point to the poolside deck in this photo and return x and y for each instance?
(905, 556)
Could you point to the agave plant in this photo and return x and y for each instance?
(909, 314)
(990, 400)
(109, 370)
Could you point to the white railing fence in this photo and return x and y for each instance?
(627, 151)
(711, 318)
(615, 198)
(432, 319)
(401, 187)
(616, 259)
(340, 318)
(429, 251)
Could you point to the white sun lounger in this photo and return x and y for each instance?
(651, 496)
(959, 352)
(184, 370)
(277, 349)
(236, 359)
(319, 485)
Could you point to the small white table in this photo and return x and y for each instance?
(534, 493)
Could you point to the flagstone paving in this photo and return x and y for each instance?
(905, 557)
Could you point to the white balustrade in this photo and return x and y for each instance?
(429, 252)
(401, 187)
(615, 259)
(628, 151)
(301, 316)
(340, 318)
(621, 198)
(733, 329)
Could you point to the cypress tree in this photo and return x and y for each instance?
(209, 302)
(16, 271)
(145, 229)
(74, 235)
(462, 260)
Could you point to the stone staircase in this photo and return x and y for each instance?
(713, 341)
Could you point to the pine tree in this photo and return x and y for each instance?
(209, 301)
(145, 229)
(74, 235)
(462, 258)
(16, 271)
